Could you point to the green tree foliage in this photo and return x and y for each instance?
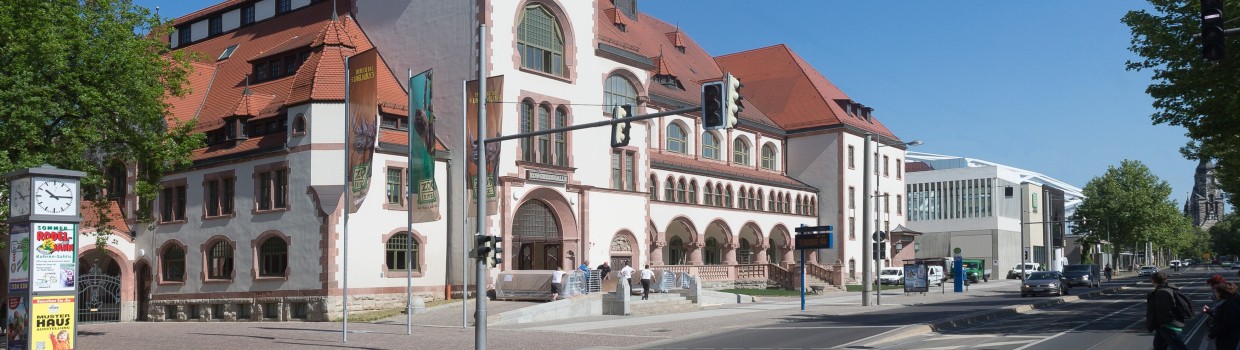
(1200, 96)
(1130, 205)
(83, 85)
(1226, 236)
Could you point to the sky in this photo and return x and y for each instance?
(1037, 85)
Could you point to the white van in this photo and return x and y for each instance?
(935, 274)
(891, 275)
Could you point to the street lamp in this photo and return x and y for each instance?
(877, 233)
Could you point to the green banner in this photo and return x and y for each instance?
(422, 150)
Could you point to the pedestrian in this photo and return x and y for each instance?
(647, 276)
(604, 271)
(1161, 317)
(626, 273)
(1224, 317)
(585, 268)
(557, 282)
(1108, 271)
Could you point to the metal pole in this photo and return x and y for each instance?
(1024, 262)
(480, 321)
(878, 287)
(802, 279)
(866, 251)
(348, 200)
(409, 216)
(464, 212)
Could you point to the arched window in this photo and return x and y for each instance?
(544, 141)
(759, 202)
(173, 263)
(676, 139)
(540, 41)
(741, 199)
(813, 205)
(527, 125)
(397, 253)
(768, 156)
(676, 251)
(669, 190)
(727, 198)
(788, 203)
(708, 194)
(712, 254)
(693, 192)
(299, 124)
(273, 257)
(753, 201)
(740, 151)
(653, 188)
(770, 203)
(618, 91)
(719, 195)
(561, 139)
(710, 146)
(680, 191)
(220, 261)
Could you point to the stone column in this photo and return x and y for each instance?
(695, 253)
(656, 253)
(788, 259)
(729, 253)
(759, 251)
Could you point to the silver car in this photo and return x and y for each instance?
(1044, 282)
(1147, 271)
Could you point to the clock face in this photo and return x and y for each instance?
(19, 197)
(55, 197)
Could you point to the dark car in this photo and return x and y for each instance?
(1085, 275)
(1044, 282)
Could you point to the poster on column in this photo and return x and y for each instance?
(19, 258)
(54, 257)
(17, 327)
(52, 326)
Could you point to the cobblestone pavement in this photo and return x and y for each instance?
(440, 327)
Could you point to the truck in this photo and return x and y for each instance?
(975, 269)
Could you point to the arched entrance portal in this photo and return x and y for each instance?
(142, 279)
(537, 235)
(99, 288)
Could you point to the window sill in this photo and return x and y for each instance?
(224, 216)
(545, 74)
(268, 211)
(174, 222)
(400, 274)
(171, 283)
(216, 281)
(270, 278)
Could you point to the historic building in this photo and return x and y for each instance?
(1205, 204)
(254, 229)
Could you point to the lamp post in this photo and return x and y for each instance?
(877, 232)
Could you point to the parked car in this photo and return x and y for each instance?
(1235, 265)
(1044, 282)
(1147, 271)
(935, 274)
(891, 275)
(1082, 274)
(1020, 269)
(1174, 263)
(1225, 263)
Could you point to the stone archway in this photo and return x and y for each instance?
(683, 247)
(723, 249)
(99, 287)
(750, 247)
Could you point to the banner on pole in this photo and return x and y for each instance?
(54, 253)
(363, 114)
(495, 117)
(422, 150)
(19, 258)
(17, 329)
(52, 322)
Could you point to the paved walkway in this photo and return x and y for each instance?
(440, 327)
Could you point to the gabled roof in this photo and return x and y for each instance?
(648, 37)
(115, 218)
(791, 92)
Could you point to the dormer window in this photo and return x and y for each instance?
(183, 35)
(283, 6)
(278, 66)
(215, 25)
(247, 14)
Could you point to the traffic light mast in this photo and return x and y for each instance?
(1212, 32)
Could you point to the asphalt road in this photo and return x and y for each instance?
(810, 331)
(1109, 321)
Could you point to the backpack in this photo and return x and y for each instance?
(1183, 307)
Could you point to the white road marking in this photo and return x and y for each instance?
(1081, 325)
(1014, 342)
(828, 327)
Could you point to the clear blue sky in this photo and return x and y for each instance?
(1038, 85)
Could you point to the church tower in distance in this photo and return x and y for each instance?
(1205, 204)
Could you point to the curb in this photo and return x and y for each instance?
(950, 323)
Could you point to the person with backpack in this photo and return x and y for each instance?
(1108, 272)
(1165, 311)
(1224, 317)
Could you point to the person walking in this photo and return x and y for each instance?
(1224, 317)
(585, 268)
(1161, 317)
(626, 273)
(647, 276)
(557, 282)
(1108, 271)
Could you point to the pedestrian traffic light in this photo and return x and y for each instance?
(1212, 36)
(620, 131)
(880, 250)
(712, 106)
(1025, 255)
(733, 107)
(497, 251)
(482, 248)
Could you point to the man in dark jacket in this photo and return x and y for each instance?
(1161, 317)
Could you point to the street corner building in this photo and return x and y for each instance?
(255, 230)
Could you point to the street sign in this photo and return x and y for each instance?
(956, 251)
(814, 241)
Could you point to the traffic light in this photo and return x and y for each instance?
(620, 133)
(880, 250)
(482, 250)
(1212, 40)
(733, 107)
(712, 106)
(1026, 255)
(497, 251)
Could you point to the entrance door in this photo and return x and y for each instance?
(99, 290)
(537, 232)
(144, 290)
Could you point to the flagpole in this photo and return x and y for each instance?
(465, 212)
(409, 215)
(480, 324)
(348, 200)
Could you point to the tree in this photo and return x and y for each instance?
(83, 85)
(1226, 235)
(1129, 205)
(1202, 97)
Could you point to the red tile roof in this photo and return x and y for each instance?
(717, 169)
(791, 91)
(115, 219)
(217, 87)
(910, 167)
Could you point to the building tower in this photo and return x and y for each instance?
(1205, 203)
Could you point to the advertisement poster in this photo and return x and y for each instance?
(17, 331)
(19, 258)
(52, 323)
(422, 149)
(494, 104)
(363, 105)
(916, 278)
(54, 253)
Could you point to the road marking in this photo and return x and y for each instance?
(828, 327)
(1014, 342)
(1079, 326)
